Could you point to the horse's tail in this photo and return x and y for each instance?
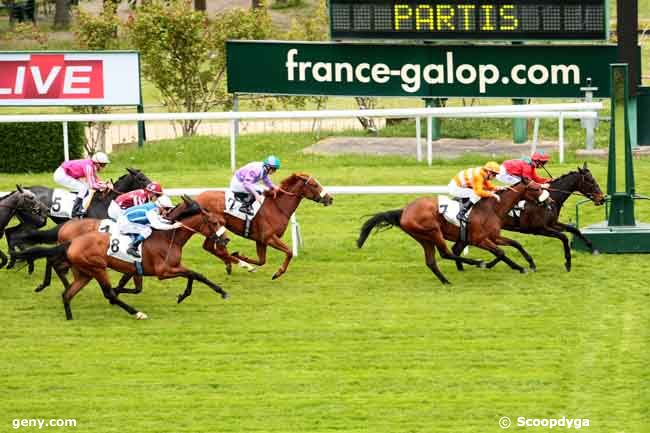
(40, 253)
(381, 220)
(33, 237)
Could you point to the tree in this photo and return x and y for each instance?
(62, 14)
(97, 33)
(183, 53)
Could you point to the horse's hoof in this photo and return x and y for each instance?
(524, 271)
(229, 269)
(595, 253)
(482, 265)
(141, 316)
(276, 276)
(235, 254)
(11, 264)
(225, 296)
(533, 269)
(39, 288)
(567, 266)
(180, 299)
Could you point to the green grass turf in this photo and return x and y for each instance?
(348, 340)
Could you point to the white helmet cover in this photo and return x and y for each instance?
(100, 158)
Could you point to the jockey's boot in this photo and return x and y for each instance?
(247, 205)
(462, 212)
(133, 248)
(78, 208)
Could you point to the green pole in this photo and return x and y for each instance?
(519, 126)
(620, 176)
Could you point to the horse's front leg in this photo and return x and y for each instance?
(492, 247)
(165, 272)
(513, 243)
(551, 233)
(10, 234)
(277, 243)
(121, 286)
(221, 252)
(261, 255)
(576, 232)
(456, 250)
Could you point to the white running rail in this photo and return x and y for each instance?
(582, 110)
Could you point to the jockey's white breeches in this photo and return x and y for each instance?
(461, 192)
(129, 228)
(114, 211)
(237, 186)
(74, 185)
(507, 178)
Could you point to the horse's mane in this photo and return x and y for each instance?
(287, 182)
(7, 195)
(572, 172)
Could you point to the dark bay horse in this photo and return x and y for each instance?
(543, 220)
(161, 257)
(17, 236)
(421, 220)
(271, 221)
(24, 205)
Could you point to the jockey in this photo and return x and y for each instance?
(71, 174)
(513, 170)
(473, 184)
(140, 219)
(244, 180)
(136, 197)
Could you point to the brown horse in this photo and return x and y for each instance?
(543, 220)
(271, 221)
(161, 257)
(66, 232)
(421, 220)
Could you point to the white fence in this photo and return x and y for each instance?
(536, 111)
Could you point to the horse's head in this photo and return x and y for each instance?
(197, 218)
(27, 202)
(134, 179)
(307, 186)
(588, 186)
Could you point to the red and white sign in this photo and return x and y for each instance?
(89, 78)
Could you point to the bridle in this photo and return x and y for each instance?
(215, 236)
(581, 181)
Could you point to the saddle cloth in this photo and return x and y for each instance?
(449, 208)
(233, 205)
(63, 200)
(118, 243)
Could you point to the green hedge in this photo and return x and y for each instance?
(37, 147)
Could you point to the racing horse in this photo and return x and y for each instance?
(18, 236)
(543, 221)
(77, 227)
(24, 205)
(88, 256)
(271, 221)
(422, 221)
